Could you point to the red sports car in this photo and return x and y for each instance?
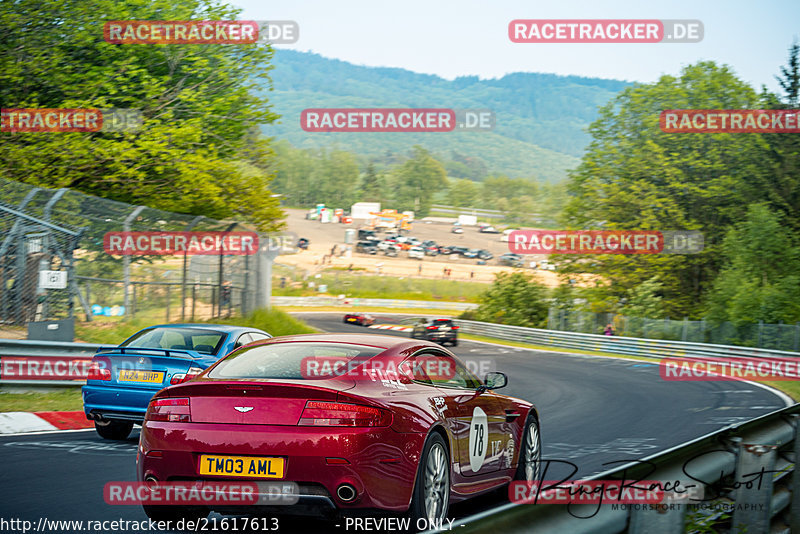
(353, 422)
(363, 319)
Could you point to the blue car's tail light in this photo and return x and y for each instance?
(179, 378)
(98, 372)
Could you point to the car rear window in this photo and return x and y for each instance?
(197, 339)
(296, 361)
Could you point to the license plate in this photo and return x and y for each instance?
(351, 319)
(150, 377)
(445, 328)
(241, 466)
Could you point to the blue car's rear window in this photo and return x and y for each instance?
(197, 339)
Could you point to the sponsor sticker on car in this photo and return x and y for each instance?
(241, 466)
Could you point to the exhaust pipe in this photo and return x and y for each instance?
(346, 493)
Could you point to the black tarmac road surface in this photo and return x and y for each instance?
(593, 411)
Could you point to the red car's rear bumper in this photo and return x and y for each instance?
(382, 463)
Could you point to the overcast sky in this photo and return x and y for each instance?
(453, 38)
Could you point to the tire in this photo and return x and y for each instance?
(529, 465)
(455, 342)
(432, 487)
(116, 430)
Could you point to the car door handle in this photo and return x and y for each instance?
(511, 416)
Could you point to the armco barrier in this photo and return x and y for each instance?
(384, 303)
(48, 363)
(632, 346)
(729, 462)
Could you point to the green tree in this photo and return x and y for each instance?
(636, 177)
(515, 299)
(645, 300)
(462, 193)
(197, 152)
(416, 180)
(760, 280)
(371, 190)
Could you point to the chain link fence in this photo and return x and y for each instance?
(53, 264)
(762, 335)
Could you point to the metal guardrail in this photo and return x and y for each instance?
(632, 346)
(55, 363)
(747, 468)
(384, 303)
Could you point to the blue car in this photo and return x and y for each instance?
(122, 379)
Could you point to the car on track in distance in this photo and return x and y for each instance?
(361, 319)
(402, 426)
(438, 330)
(488, 229)
(122, 379)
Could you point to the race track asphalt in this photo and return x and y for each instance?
(593, 411)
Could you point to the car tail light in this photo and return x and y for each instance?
(179, 378)
(455, 328)
(96, 372)
(430, 327)
(168, 409)
(322, 413)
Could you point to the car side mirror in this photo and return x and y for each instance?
(495, 380)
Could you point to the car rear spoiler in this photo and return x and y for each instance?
(169, 353)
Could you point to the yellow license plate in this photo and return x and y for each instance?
(150, 377)
(241, 466)
(351, 319)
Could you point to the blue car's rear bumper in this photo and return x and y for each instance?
(129, 404)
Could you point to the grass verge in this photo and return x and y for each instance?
(276, 322)
(377, 309)
(66, 399)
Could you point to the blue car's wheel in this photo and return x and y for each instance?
(117, 430)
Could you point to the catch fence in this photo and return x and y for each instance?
(53, 264)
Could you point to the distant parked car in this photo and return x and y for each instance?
(366, 247)
(488, 229)
(470, 253)
(122, 379)
(458, 250)
(507, 234)
(416, 253)
(386, 243)
(484, 254)
(457, 230)
(392, 251)
(512, 260)
(367, 235)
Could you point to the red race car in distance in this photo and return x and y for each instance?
(362, 319)
(354, 422)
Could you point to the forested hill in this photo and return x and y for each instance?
(541, 118)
